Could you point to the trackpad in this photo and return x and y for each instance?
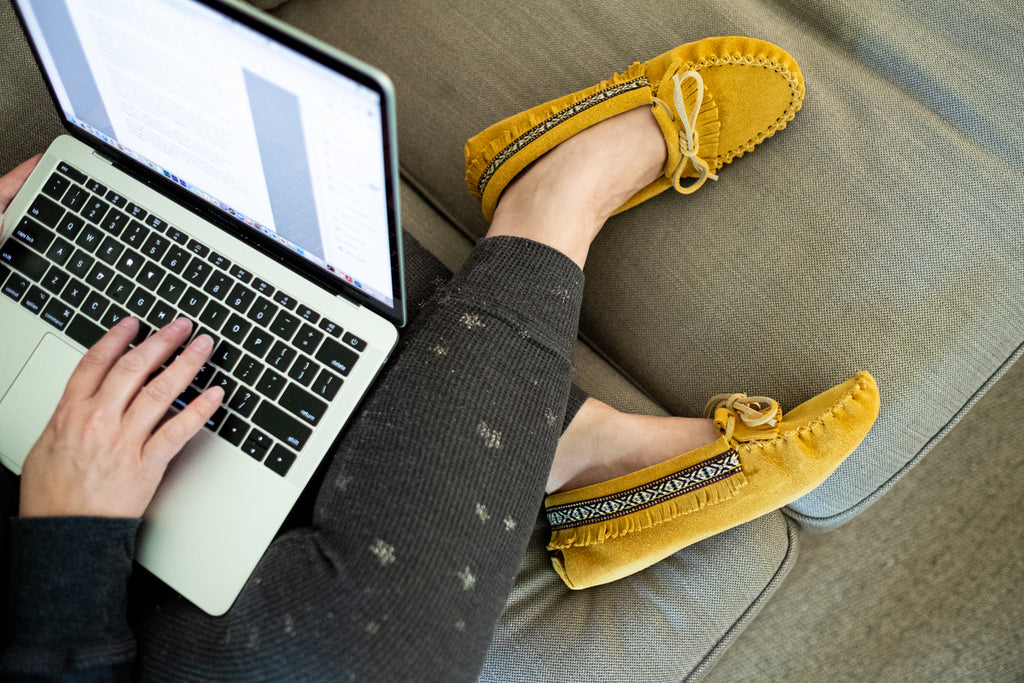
(30, 401)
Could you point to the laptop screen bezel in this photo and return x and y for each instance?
(327, 56)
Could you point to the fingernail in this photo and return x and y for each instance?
(181, 325)
(202, 343)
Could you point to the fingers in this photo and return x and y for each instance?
(96, 363)
(129, 373)
(175, 433)
(152, 402)
(12, 182)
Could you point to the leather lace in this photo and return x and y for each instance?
(689, 140)
(755, 411)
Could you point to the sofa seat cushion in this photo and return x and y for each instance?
(663, 624)
(880, 231)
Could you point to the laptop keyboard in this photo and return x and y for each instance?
(85, 256)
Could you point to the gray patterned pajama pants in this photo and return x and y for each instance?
(411, 545)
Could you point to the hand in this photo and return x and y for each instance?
(107, 446)
(12, 182)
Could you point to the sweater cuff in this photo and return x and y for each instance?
(68, 581)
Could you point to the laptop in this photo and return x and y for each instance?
(218, 165)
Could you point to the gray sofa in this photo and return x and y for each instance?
(882, 230)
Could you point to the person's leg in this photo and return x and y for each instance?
(424, 515)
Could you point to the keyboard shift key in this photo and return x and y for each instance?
(280, 460)
(281, 425)
(22, 259)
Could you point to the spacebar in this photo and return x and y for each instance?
(281, 425)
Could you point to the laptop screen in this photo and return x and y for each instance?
(287, 146)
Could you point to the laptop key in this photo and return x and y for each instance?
(156, 246)
(116, 199)
(46, 211)
(16, 286)
(280, 460)
(197, 271)
(171, 288)
(284, 324)
(99, 276)
(57, 313)
(303, 370)
(114, 222)
(234, 430)
(109, 251)
(75, 292)
(281, 425)
(258, 342)
(94, 306)
(218, 285)
(271, 384)
(236, 328)
(262, 311)
(176, 260)
(326, 385)
(213, 315)
(113, 316)
(198, 248)
(222, 380)
(248, 370)
(120, 289)
(354, 342)
(35, 299)
(70, 226)
(74, 199)
(22, 259)
(129, 263)
(140, 302)
(56, 186)
(243, 401)
(135, 211)
(136, 234)
(55, 279)
(157, 224)
(330, 327)
(84, 331)
(218, 260)
(285, 301)
(94, 210)
(60, 251)
(257, 444)
(177, 235)
(80, 263)
(161, 314)
(33, 234)
(193, 301)
(280, 356)
(72, 172)
(240, 298)
(225, 356)
(263, 287)
(90, 238)
(337, 356)
(308, 339)
(302, 405)
(240, 273)
(150, 276)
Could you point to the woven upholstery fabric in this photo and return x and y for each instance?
(881, 230)
(658, 625)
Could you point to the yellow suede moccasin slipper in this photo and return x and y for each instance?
(762, 461)
(714, 99)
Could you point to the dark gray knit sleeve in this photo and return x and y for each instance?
(67, 599)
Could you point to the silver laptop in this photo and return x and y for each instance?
(222, 166)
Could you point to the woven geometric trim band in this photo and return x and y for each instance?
(596, 510)
(553, 122)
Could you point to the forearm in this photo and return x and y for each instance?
(67, 599)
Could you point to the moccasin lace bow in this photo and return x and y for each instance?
(689, 140)
(754, 411)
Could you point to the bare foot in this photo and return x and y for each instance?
(564, 197)
(602, 443)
